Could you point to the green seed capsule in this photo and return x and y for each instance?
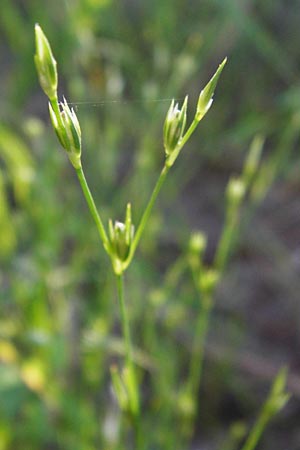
(45, 64)
(174, 126)
(68, 131)
(120, 237)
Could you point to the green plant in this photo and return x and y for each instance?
(275, 401)
(121, 240)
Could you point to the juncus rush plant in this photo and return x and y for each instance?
(206, 280)
(121, 239)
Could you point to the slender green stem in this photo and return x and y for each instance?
(93, 209)
(226, 241)
(139, 440)
(134, 395)
(206, 303)
(189, 132)
(173, 156)
(168, 164)
(146, 214)
(257, 431)
(196, 364)
(124, 319)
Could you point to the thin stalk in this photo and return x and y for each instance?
(189, 132)
(196, 365)
(93, 209)
(139, 440)
(124, 320)
(146, 214)
(206, 303)
(226, 241)
(168, 164)
(257, 430)
(129, 358)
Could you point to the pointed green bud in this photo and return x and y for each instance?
(174, 126)
(206, 95)
(120, 237)
(68, 131)
(45, 64)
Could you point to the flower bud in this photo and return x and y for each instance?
(206, 95)
(208, 281)
(196, 249)
(197, 243)
(68, 131)
(45, 64)
(235, 191)
(121, 237)
(174, 126)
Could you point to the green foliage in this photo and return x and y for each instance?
(121, 63)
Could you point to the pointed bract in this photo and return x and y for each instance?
(129, 229)
(206, 95)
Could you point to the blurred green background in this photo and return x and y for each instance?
(120, 64)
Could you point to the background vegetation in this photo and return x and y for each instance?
(120, 64)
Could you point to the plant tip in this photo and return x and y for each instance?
(206, 95)
(45, 64)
